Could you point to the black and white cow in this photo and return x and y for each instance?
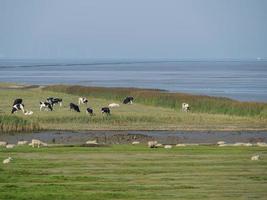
(53, 101)
(105, 110)
(46, 105)
(17, 101)
(74, 107)
(17, 107)
(82, 100)
(128, 100)
(89, 111)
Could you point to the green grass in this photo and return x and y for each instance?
(139, 116)
(133, 172)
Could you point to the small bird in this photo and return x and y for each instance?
(7, 160)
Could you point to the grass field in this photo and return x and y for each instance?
(133, 172)
(139, 116)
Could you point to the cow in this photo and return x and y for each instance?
(105, 110)
(128, 100)
(54, 101)
(74, 107)
(46, 105)
(89, 111)
(17, 107)
(17, 101)
(82, 100)
(185, 107)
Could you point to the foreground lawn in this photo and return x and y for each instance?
(127, 117)
(133, 172)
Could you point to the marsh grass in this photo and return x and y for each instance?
(198, 103)
(139, 116)
(17, 124)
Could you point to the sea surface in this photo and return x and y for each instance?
(241, 80)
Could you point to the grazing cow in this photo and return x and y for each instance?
(82, 100)
(17, 107)
(185, 107)
(128, 100)
(105, 110)
(89, 111)
(54, 101)
(113, 105)
(74, 107)
(17, 101)
(45, 105)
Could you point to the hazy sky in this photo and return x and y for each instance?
(146, 29)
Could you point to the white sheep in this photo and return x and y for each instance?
(7, 160)
(159, 145)
(135, 142)
(168, 146)
(113, 105)
(152, 144)
(28, 112)
(3, 143)
(91, 142)
(221, 142)
(37, 142)
(10, 146)
(261, 144)
(22, 142)
(181, 145)
(256, 157)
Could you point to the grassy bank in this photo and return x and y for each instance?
(133, 172)
(199, 104)
(139, 116)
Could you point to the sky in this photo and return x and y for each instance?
(133, 29)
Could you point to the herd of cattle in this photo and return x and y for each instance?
(49, 103)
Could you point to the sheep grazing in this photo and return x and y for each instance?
(10, 146)
(114, 105)
(256, 157)
(243, 144)
(221, 142)
(168, 146)
(261, 144)
(185, 107)
(135, 142)
(159, 145)
(82, 100)
(7, 160)
(28, 112)
(22, 142)
(3, 143)
(91, 142)
(37, 142)
(180, 145)
(152, 144)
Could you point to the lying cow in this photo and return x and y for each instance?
(90, 111)
(46, 105)
(54, 101)
(185, 107)
(82, 100)
(128, 100)
(105, 110)
(74, 107)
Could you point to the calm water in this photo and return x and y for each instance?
(245, 81)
